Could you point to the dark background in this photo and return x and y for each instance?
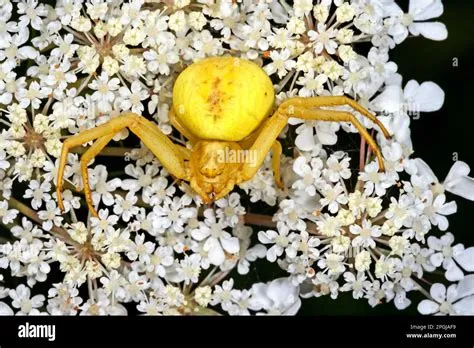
(436, 136)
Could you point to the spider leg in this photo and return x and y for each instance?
(341, 116)
(303, 108)
(328, 101)
(247, 143)
(180, 128)
(276, 156)
(88, 156)
(159, 144)
(112, 127)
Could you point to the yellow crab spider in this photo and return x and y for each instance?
(223, 106)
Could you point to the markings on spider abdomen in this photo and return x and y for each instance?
(215, 99)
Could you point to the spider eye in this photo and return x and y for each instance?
(211, 170)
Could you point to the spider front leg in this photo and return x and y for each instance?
(308, 109)
(159, 144)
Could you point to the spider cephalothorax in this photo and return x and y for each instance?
(212, 170)
(223, 106)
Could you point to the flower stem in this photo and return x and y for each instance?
(30, 213)
(108, 151)
(267, 221)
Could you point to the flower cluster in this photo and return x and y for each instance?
(340, 225)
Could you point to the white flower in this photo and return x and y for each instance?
(22, 300)
(455, 300)
(203, 295)
(190, 268)
(157, 191)
(291, 214)
(206, 45)
(223, 294)
(415, 21)
(143, 178)
(7, 215)
(365, 234)
(282, 241)
(401, 212)
(131, 99)
(39, 193)
(104, 93)
(310, 174)
(141, 250)
(302, 7)
(311, 85)
(230, 209)
(101, 188)
(375, 181)
(437, 208)
(278, 297)
(173, 213)
(159, 61)
(333, 197)
(104, 222)
(323, 39)
(49, 216)
(337, 167)
(362, 261)
(306, 141)
(33, 95)
(446, 254)
(251, 254)
(32, 13)
(457, 181)
(281, 63)
(159, 260)
(332, 264)
(216, 240)
(126, 206)
(355, 284)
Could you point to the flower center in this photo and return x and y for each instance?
(446, 307)
(447, 252)
(407, 19)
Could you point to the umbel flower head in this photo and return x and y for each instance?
(338, 225)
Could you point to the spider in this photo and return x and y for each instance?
(223, 106)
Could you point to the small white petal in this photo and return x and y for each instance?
(5, 309)
(424, 170)
(459, 169)
(200, 234)
(427, 97)
(466, 286)
(438, 292)
(215, 253)
(434, 31)
(428, 307)
(425, 9)
(231, 245)
(436, 259)
(466, 259)
(465, 306)
(454, 273)
(390, 100)
(305, 140)
(448, 208)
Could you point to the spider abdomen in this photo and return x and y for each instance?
(222, 98)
